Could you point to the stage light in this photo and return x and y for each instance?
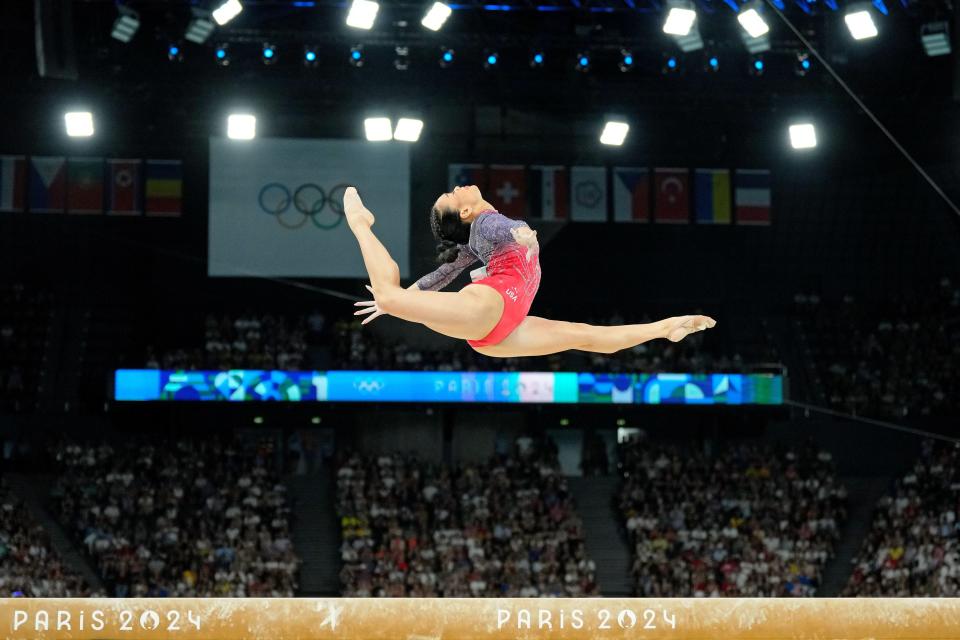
(490, 59)
(713, 64)
(79, 124)
(200, 27)
(757, 66)
(241, 126)
(408, 129)
(227, 12)
(402, 60)
(436, 16)
(446, 57)
(935, 37)
(859, 21)
(258, 420)
(803, 136)
(362, 15)
(174, 53)
(222, 55)
(803, 64)
(614, 133)
(356, 55)
(378, 129)
(626, 60)
(315, 420)
(536, 59)
(269, 53)
(752, 22)
(680, 20)
(583, 62)
(310, 57)
(671, 64)
(126, 24)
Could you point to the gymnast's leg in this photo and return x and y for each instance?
(540, 336)
(468, 314)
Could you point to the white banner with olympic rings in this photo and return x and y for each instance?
(276, 205)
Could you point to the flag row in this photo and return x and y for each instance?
(123, 187)
(629, 194)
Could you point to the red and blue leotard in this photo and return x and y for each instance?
(506, 269)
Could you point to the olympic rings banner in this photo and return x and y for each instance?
(446, 386)
(276, 205)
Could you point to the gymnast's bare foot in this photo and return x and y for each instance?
(357, 214)
(680, 327)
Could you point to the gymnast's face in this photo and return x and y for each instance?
(465, 201)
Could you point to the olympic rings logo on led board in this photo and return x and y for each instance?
(306, 202)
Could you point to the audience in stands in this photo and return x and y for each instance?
(29, 565)
(179, 518)
(746, 522)
(506, 528)
(898, 362)
(913, 548)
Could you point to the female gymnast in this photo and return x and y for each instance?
(491, 313)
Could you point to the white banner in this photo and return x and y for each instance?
(588, 194)
(276, 205)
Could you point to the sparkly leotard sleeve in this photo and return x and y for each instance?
(445, 273)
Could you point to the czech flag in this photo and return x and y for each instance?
(631, 194)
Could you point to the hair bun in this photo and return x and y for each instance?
(447, 251)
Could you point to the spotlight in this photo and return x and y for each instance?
(227, 11)
(79, 124)
(199, 28)
(310, 56)
(803, 64)
(712, 64)
(859, 21)
(126, 24)
(362, 14)
(583, 62)
(490, 59)
(935, 37)
(241, 126)
(681, 24)
(222, 54)
(436, 16)
(756, 31)
(269, 53)
(402, 61)
(803, 136)
(626, 60)
(378, 129)
(614, 133)
(174, 53)
(757, 66)
(670, 64)
(446, 57)
(536, 59)
(356, 55)
(408, 130)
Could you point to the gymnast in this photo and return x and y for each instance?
(491, 313)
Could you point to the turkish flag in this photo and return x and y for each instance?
(507, 189)
(672, 202)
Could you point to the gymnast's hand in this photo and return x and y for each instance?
(371, 308)
(527, 237)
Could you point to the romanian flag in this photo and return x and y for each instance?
(164, 187)
(13, 183)
(711, 190)
(85, 185)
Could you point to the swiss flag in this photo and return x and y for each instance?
(672, 203)
(507, 189)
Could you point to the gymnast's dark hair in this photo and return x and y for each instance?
(450, 232)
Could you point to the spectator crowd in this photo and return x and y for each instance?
(179, 518)
(506, 528)
(913, 547)
(748, 522)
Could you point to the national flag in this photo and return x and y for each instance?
(507, 189)
(13, 183)
(588, 194)
(85, 185)
(123, 188)
(164, 187)
(631, 194)
(672, 199)
(711, 196)
(752, 195)
(48, 184)
(460, 175)
(549, 192)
